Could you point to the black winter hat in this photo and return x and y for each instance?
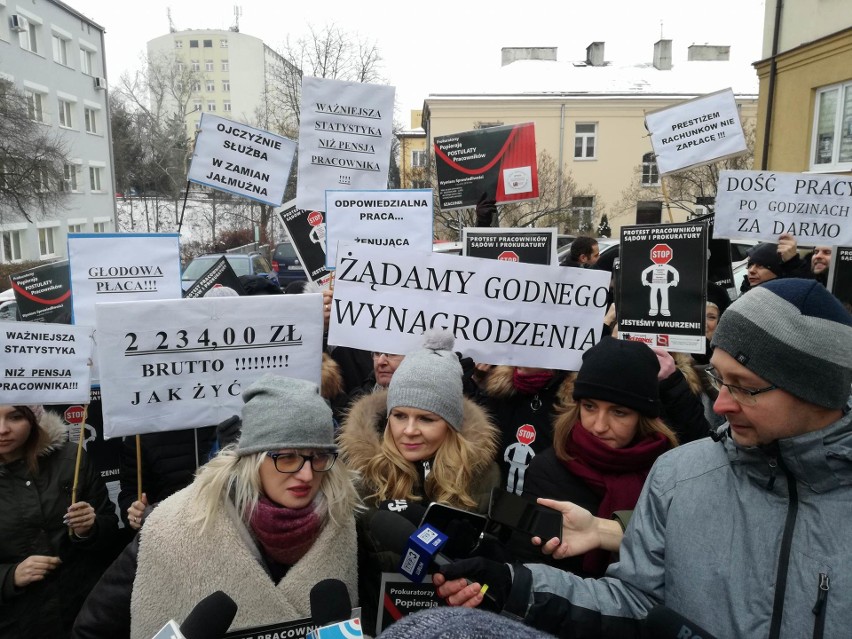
(621, 372)
(766, 255)
(718, 295)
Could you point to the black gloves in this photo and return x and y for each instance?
(485, 210)
(497, 576)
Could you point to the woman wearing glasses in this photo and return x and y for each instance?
(264, 521)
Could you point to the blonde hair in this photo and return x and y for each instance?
(390, 476)
(238, 477)
(569, 415)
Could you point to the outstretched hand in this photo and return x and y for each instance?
(461, 583)
(581, 531)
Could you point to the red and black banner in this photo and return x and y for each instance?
(43, 293)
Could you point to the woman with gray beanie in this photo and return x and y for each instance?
(264, 521)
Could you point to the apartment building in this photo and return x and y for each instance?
(413, 153)
(54, 55)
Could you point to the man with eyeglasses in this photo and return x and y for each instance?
(746, 534)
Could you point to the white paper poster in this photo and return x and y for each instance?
(240, 159)
(345, 137)
(696, 132)
(398, 218)
(178, 364)
(761, 205)
(45, 363)
(500, 312)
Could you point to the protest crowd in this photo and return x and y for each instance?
(596, 449)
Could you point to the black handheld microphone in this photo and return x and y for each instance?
(392, 531)
(211, 617)
(330, 602)
(664, 623)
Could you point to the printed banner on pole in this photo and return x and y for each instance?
(345, 135)
(45, 363)
(220, 274)
(530, 246)
(840, 275)
(307, 230)
(241, 159)
(761, 205)
(398, 597)
(43, 293)
(499, 161)
(174, 364)
(699, 131)
(107, 267)
(662, 290)
(500, 312)
(398, 218)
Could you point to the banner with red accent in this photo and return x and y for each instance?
(43, 293)
(399, 597)
(498, 161)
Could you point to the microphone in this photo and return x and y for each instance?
(330, 611)
(419, 547)
(665, 623)
(209, 619)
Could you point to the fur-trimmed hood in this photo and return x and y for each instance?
(57, 432)
(360, 436)
(331, 384)
(499, 384)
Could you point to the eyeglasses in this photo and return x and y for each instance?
(391, 357)
(293, 462)
(744, 396)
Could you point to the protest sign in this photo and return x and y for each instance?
(307, 231)
(126, 266)
(173, 364)
(663, 285)
(398, 218)
(220, 274)
(45, 363)
(499, 161)
(840, 275)
(240, 159)
(530, 246)
(285, 630)
(385, 298)
(719, 269)
(761, 205)
(43, 293)
(696, 132)
(399, 597)
(345, 135)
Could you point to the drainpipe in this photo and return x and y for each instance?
(561, 153)
(770, 100)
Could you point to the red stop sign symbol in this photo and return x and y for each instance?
(661, 254)
(508, 256)
(74, 414)
(315, 218)
(526, 434)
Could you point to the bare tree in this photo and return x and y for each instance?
(32, 159)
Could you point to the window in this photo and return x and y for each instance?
(65, 114)
(86, 58)
(419, 184)
(179, 67)
(69, 178)
(582, 211)
(28, 38)
(832, 134)
(418, 158)
(193, 44)
(211, 106)
(95, 178)
(584, 141)
(60, 50)
(649, 212)
(226, 106)
(196, 105)
(11, 246)
(211, 86)
(91, 116)
(178, 44)
(195, 65)
(42, 178)
(226, 85)
(225, 65)
(650, 173)
(76, 228)
(208, 65)
(46, 241)
(223, 44)
(101, 227)
(35, 106)
(195, 86)
(208, 44)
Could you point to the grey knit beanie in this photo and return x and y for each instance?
(459, 623)
(284, 412)
(430, 379)
(795, 334)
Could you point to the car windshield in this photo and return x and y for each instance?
(200, 265)
(284, 251)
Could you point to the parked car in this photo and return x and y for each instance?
(286, 264)
(8, 306)
(242, 263)
(450, 248)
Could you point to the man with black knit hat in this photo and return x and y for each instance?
(747, 535)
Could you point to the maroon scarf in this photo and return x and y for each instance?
(285, 534)
(615, 474)
(530, 383)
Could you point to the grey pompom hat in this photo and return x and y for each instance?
(283, 412)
